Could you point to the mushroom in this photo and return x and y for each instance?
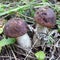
(17, 28)
(45, 18)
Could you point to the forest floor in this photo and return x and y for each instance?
(25, 9)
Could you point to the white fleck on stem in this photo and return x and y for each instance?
(24, 41)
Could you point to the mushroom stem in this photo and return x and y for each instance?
(41, 29)
(24, 41)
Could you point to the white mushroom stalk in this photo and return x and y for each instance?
(24, 41)
(42, 29)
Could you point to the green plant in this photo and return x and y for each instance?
(40, 55)
(5, 41)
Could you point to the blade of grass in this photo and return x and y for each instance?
(27, 7)
(13, 10)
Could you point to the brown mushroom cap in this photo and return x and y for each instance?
(45, 16)
(15, 27)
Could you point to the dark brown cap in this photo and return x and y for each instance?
(15, 27)
(45, 16)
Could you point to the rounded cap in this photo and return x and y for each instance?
(15, 27)
(45, 16)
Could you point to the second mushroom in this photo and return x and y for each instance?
(17, 28)
(45, 19)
